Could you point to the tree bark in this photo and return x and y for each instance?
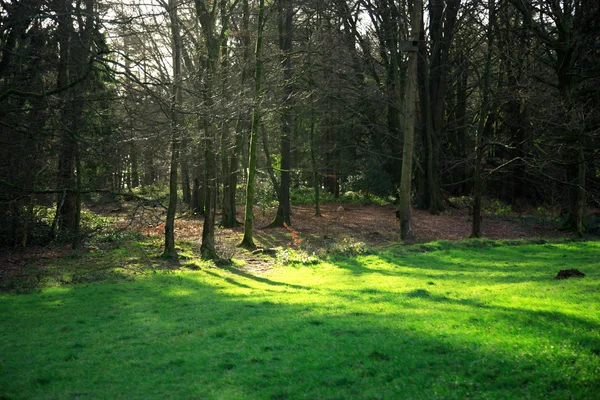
(212, 40)
(241, 129)
(176, 102)
(404, 211)
(481, 126)
(74, 59)
(286, 13)
(248, 241)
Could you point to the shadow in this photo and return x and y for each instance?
(204, 334)
(227, 279)
(261, 279)
(493, 265)
(272, 237)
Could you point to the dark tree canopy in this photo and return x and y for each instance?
(201, 106)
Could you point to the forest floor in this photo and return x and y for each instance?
(368, 226)
(342, 228)
(372, 224)
(342, 310)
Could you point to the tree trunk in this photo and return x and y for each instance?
(66, 207)
(135, 176)
(248, 241)
(73, 64)
(315, 167)
(241, 130)
(404, 211)
(285, 44)
(481, 126)
(207, 248)
(176, 102)
(228, 211)
(185, 175)
(269, 160)
(212, 41)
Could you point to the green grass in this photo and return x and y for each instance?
(478, 322)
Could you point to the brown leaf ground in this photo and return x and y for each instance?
(375, 226)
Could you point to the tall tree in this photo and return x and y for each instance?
(76, 28)
(434, 87)
(565, 28)
(228, 150)
(207, 16)
(286, 13)
(483, 122)
(410, 106)
(248, 240)
(176, 103)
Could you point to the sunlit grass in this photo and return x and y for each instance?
(481, 322)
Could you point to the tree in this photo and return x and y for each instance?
(565, 29)
(248, 241)
(285, 14)
(404, 206)
(433, 84)
(207, 16)
(176, 103)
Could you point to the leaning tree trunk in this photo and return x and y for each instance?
(404, 211)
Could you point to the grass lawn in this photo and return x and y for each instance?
(456, 322)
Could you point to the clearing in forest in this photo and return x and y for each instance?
(453, 321)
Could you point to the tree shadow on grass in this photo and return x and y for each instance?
(182, 336)
(261, 279)
(496, 265)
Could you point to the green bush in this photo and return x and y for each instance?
(264, 194)
(372, 182)
(289, 256)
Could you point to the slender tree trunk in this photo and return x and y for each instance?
(248, 241)
(269, 161)
(74, 60)
(135, 176)
(228, 211)
(241, 129)
(404, 211)
(207, 248)
(461, 121)
(176, 102)
(285, 44)
(581, 194)
(481, 126)
(77, 231)
(315, 167)
(65, 211)
(185, 175)
(206, 15)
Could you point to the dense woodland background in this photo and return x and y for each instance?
(201, 106)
